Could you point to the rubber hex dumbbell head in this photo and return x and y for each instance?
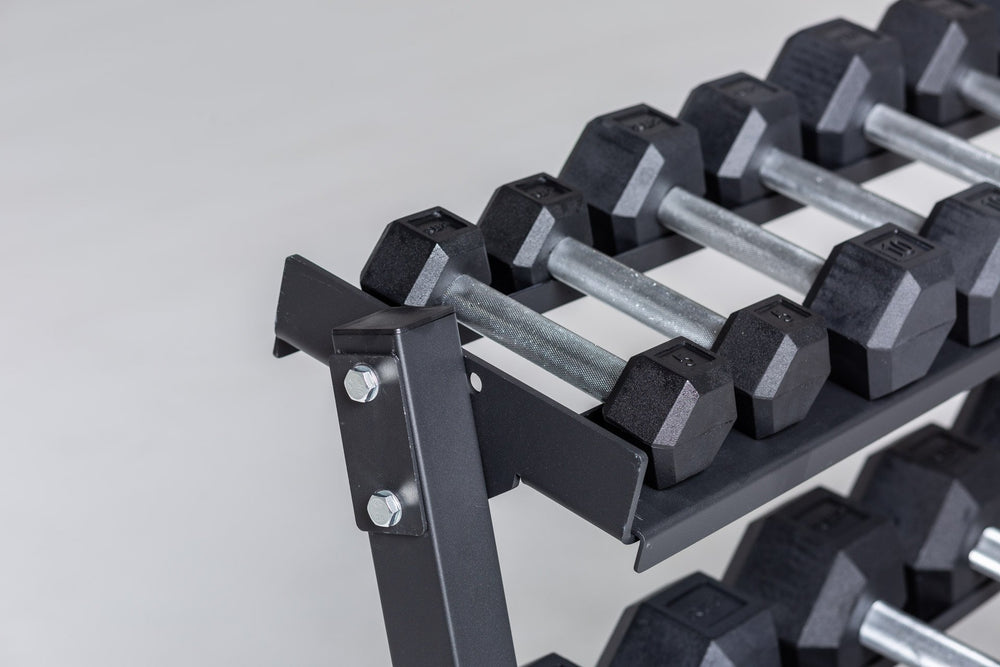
(820, 560)
(968, 224)
(839, 71)
(523, 222)
(779, 356)
(626, 162)
(695, 622)
(739, 117)
(941, 493)
(941, 40)
(889, 301)
(419, 256)
(676, 383)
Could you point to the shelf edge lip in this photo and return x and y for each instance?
(663, 539)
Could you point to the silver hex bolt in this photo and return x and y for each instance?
(384, 509)
(361, 383)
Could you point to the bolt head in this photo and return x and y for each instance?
(361, 383)
(384, 509)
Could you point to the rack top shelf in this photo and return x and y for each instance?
(748, 473)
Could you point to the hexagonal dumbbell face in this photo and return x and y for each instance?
(819, 560)
(522, 224)
(940, 492)
(625, 163)
(739, 117)
(420, 255)
(695, 622)
(839, 71)
(968, 225)
(889, 301)
(674, 383)
(941, 40)
(779, 355)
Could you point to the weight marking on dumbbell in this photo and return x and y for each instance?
(782, 310)
(748, 87)
(705, 606)
(544, 189)
(830, 517)
(991, 200)
(899, 247)
(941, 451)
(435, 223)
(644, 121)
(683, 355)
(850, 35)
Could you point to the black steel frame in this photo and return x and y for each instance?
(492, 439)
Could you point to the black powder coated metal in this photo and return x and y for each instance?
(523, 434)
(747, 473)
(574, 460)
(425, 566)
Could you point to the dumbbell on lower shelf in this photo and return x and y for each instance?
(752, 143)
(833, 574)
(888, 297)
(694, 622)
(856, 104)
(942, 494)
(778, 352)
(676, 400)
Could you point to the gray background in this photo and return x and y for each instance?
(171, 495)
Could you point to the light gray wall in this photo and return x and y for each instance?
(171, 495)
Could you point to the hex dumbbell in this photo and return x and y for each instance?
(941, 494)
(833, 574)
(778, 352)
(887, 296)
(851, 90)
(752, 144)
(950, 57)
(675, 401)
(694, 622)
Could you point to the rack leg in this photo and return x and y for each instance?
(417, 485)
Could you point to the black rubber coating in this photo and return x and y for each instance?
(820, 561)
(968, 225)
(523, 223)
(420, 255)
(625, 162)
(694, 622)
(739, 117)
(889, 301)
(941, 41)
(839, 71)
(779, 356)
(941, 492)
(676, 402)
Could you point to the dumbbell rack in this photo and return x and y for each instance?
(418, 433)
